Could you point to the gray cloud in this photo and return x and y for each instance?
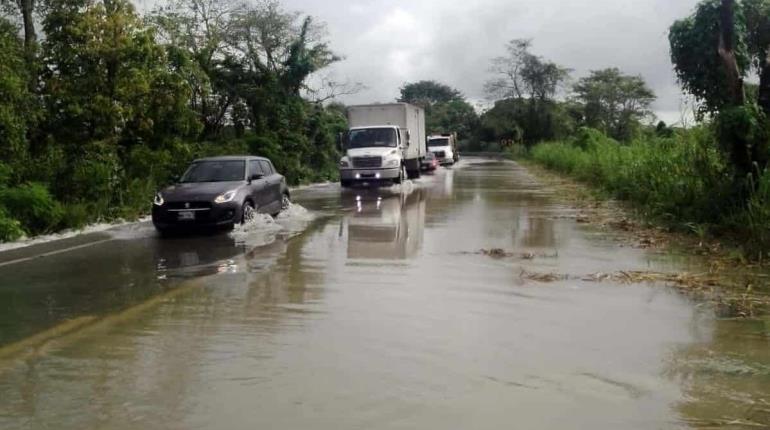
(388, 43)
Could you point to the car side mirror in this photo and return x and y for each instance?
(256, 177)
(175, 179)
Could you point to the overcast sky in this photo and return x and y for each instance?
(389, 42)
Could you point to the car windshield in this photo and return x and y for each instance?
(215, 171)
(372, 137)
(438, 142)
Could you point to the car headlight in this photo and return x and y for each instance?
(226, 197)
(158, 200)
(392, 162)
(344, 162)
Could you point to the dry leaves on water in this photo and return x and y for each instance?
(501, 253)
(729, 300)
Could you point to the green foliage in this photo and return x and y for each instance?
(17, 111)
(33, 206)
(429, 93)
(10, 229)
(613, 102)
(694, 51)
(526, 121)
(446, 109)
(684, 179)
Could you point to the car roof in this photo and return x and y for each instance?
(231, 158)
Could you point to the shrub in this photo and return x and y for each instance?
(33, 206)
(10, 229)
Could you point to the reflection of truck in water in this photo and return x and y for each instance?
(386, 227)
(385, 143)
(444, 147)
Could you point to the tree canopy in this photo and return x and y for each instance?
(613, 102)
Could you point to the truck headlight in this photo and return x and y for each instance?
(344, 162)
(158, 200)
(226, 197)
(392, 162)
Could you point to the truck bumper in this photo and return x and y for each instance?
(366, 175)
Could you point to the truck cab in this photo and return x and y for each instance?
(373, 154)
(444, 147)
(384, 144)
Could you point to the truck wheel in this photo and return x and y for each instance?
(401, 175)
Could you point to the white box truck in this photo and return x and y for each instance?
(444, 147)
(384, 143)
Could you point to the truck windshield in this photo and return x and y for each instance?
(372, 137)
(216, 171)
(438, 142)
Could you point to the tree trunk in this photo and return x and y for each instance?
(763, 99)
(726, 51)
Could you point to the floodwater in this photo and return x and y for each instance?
(376, 310)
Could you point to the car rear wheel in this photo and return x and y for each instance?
(247, 212)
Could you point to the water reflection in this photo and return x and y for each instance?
(384, 225)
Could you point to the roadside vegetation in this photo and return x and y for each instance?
(710, 179)
(99, 104)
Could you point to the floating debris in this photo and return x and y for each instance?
(729, 299)
(542, 277)
(499, 253)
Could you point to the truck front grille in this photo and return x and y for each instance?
(367, 162)
(440, 154)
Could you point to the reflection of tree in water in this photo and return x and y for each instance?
(534, 231)
(726, 380)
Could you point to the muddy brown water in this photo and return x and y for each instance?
(377, 314)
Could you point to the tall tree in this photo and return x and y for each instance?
(446, 109)
(525, 88)
(522, 74)
(428, 93)
(713, 51)
(613, 102)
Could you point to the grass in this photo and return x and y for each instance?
(681, 181)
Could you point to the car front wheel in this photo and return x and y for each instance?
(247, 212)
(285, 202)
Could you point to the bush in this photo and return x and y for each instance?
(10, 229)
(681, 179)
(33, 206)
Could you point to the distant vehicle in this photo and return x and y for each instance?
(429, 163)
(385, 143)
(444, 147)
(220, 192)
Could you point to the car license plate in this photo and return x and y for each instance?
(186, 216)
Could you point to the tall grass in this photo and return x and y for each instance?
(683, 180)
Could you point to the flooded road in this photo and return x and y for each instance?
(378, 312)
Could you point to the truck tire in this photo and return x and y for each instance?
(413, 168)
(401, 176)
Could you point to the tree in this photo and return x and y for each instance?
(196, 34)
(523, 74)
(713, 51)
(525, 89)
(17, 104)
(446, 109)
(613, 102)
(509, 83)
(428, 93)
